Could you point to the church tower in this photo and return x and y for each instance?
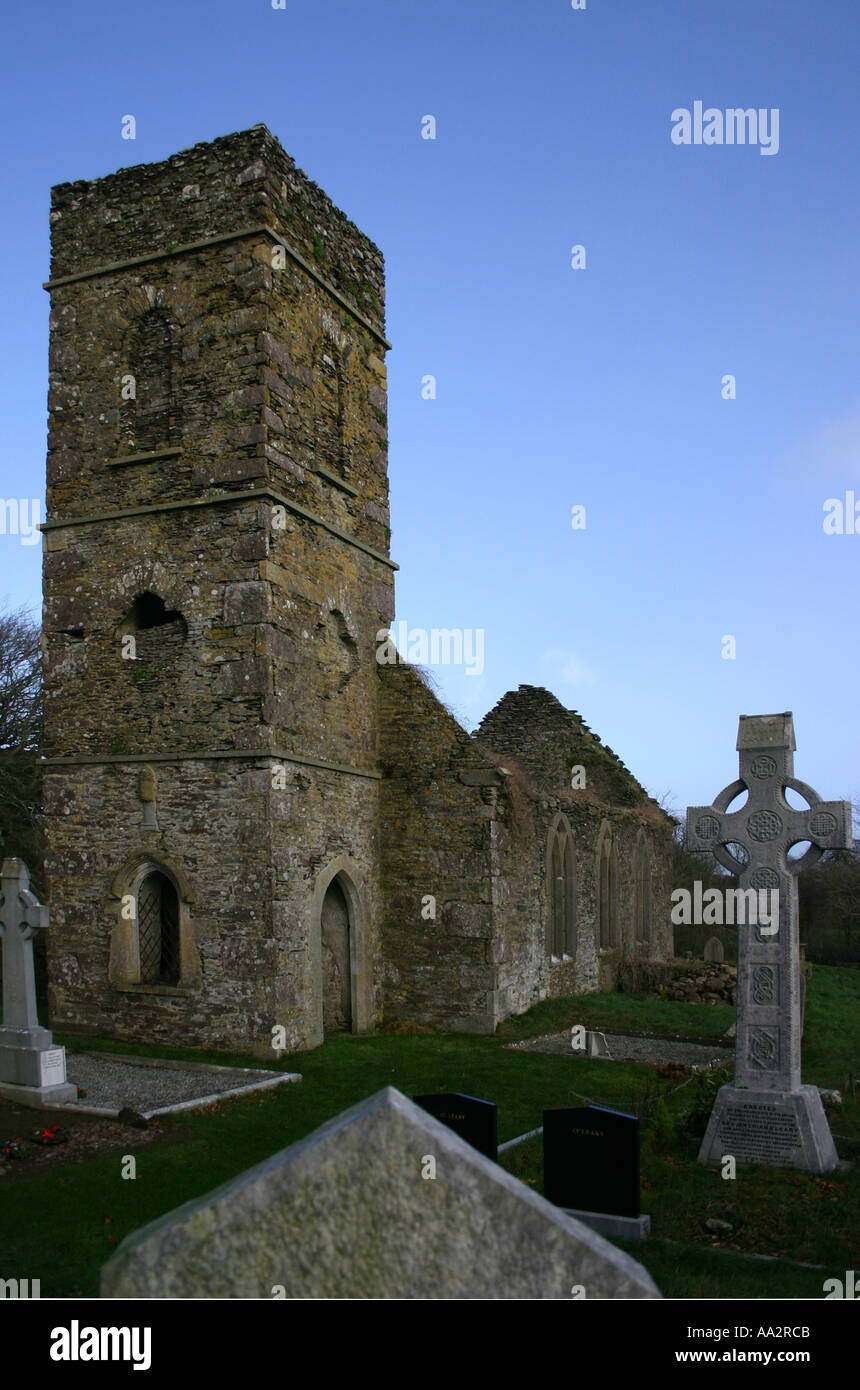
(216, 570)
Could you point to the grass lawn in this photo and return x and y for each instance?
(60, 1224)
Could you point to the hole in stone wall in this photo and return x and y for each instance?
(159, 634)
(149, 610)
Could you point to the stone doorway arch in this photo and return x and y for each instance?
(336, 962)
(340, 951)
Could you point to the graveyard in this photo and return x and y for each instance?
(342, 1000)
(609, 1144)
(774, 1232)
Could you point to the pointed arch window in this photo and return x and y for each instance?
(561, 891)
(152, 947)
(158, 930)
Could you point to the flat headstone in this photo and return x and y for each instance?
(351, 1211)
(474, 1120)
(591, 1160)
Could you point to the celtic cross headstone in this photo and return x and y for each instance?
(32, 1069)
(767, 1115)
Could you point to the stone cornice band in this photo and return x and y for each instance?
(268, 493)
(260, 229)
(263, 754)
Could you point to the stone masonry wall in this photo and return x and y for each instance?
(241, 179)
(531, 730)
(262, 524)
(438, 817)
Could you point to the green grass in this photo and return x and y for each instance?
(622, 1013)
(831, 1042)
(694, 1272)
(60, 1225)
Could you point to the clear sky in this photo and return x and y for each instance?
(556, 387)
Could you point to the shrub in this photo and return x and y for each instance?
(703, 1092)
(661, 1129)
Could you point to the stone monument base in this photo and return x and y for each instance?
(787, 1129)
(32, 1070)
(40, 1097)
(612, 1227)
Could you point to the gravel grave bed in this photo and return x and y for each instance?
(655, 1051)
(113, 1085)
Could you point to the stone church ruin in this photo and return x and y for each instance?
(251, 822)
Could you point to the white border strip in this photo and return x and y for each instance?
(520, 1139)
(220, 1095)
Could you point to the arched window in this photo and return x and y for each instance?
(644, 900)
(149, 416)
(153, 943)
(158, 930)
(561, 891)
(607, 888)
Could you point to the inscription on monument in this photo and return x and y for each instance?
(53, 1067)
(759, 1132)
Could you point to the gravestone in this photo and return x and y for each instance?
(474, 1120)
(714, 949)
(767, 1115)
(383, 1201)
(596, 1044)
(32, 1069)
(591, 1167)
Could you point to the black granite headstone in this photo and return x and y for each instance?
(474, 1120)
(591, 1160)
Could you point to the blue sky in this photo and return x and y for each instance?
(556, 387)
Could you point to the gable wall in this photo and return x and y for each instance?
(435, 837)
